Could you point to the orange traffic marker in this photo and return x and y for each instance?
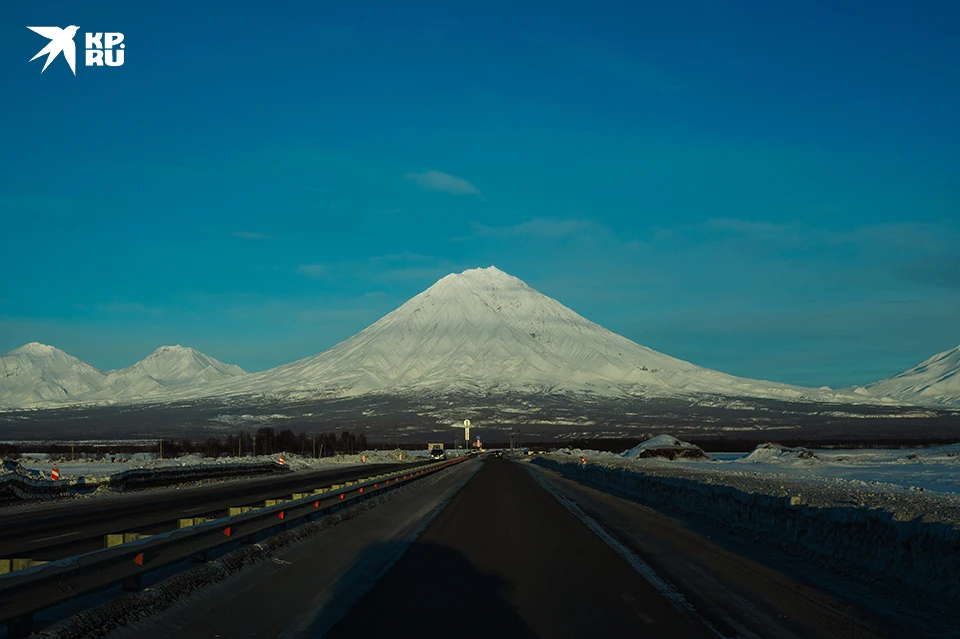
(138, 559)
(280, 515)
(316, 504)
(341, 495)
(361, 490)
(226, 531)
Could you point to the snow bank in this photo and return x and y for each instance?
(665, 446)
(776, 454)
(899, 536)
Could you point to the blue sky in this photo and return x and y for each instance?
(767, 190)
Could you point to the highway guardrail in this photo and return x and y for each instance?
(26, 592)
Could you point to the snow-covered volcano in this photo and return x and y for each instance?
(38, 374)
(932, 381)
(485, 330)
(167, 369)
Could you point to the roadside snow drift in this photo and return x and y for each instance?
(665, 446)
(777, 454)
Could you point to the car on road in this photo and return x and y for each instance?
(438, 453)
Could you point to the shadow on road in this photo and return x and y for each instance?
(434, 592)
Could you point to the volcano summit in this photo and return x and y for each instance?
(484, 330)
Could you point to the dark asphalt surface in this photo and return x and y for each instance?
(48, 531)
(505, 559)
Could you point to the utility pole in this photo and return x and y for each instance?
(314, 446)
(161, 449)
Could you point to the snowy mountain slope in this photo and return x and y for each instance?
(168, 368)
(37, 374)
(933, 381)
(486, 330)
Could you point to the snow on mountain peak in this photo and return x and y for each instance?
(36, 373)
(487, 330)
(490, 278)
(173, 351)
(36, 349)
(170, 366)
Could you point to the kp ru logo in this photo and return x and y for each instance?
(102, 48)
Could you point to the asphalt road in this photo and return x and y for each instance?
(50, 530)
(505, 559)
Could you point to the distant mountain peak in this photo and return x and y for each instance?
(175, 350)
(36, 348)
(40, 375)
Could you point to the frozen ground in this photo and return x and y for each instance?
(935, 469)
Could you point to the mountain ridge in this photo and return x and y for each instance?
(35, 375)
(935, 380)
(481, 330)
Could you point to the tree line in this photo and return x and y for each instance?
(268, 441)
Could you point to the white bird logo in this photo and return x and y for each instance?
(60, 40)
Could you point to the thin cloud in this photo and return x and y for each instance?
(128, 307)
(253, 236)
(924, 237)
(437, 181)
(933, 270)
(537, 228)
(413, 273)
(312, 270)
(401, 257)
(762, 231)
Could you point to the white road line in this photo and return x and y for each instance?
(664, 587)
(192, 510)
(69, 534)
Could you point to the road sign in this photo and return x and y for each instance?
(55, 473)
(466, 423)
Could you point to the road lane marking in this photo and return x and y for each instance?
(664, 587)
(70, 534)
(192, 510)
